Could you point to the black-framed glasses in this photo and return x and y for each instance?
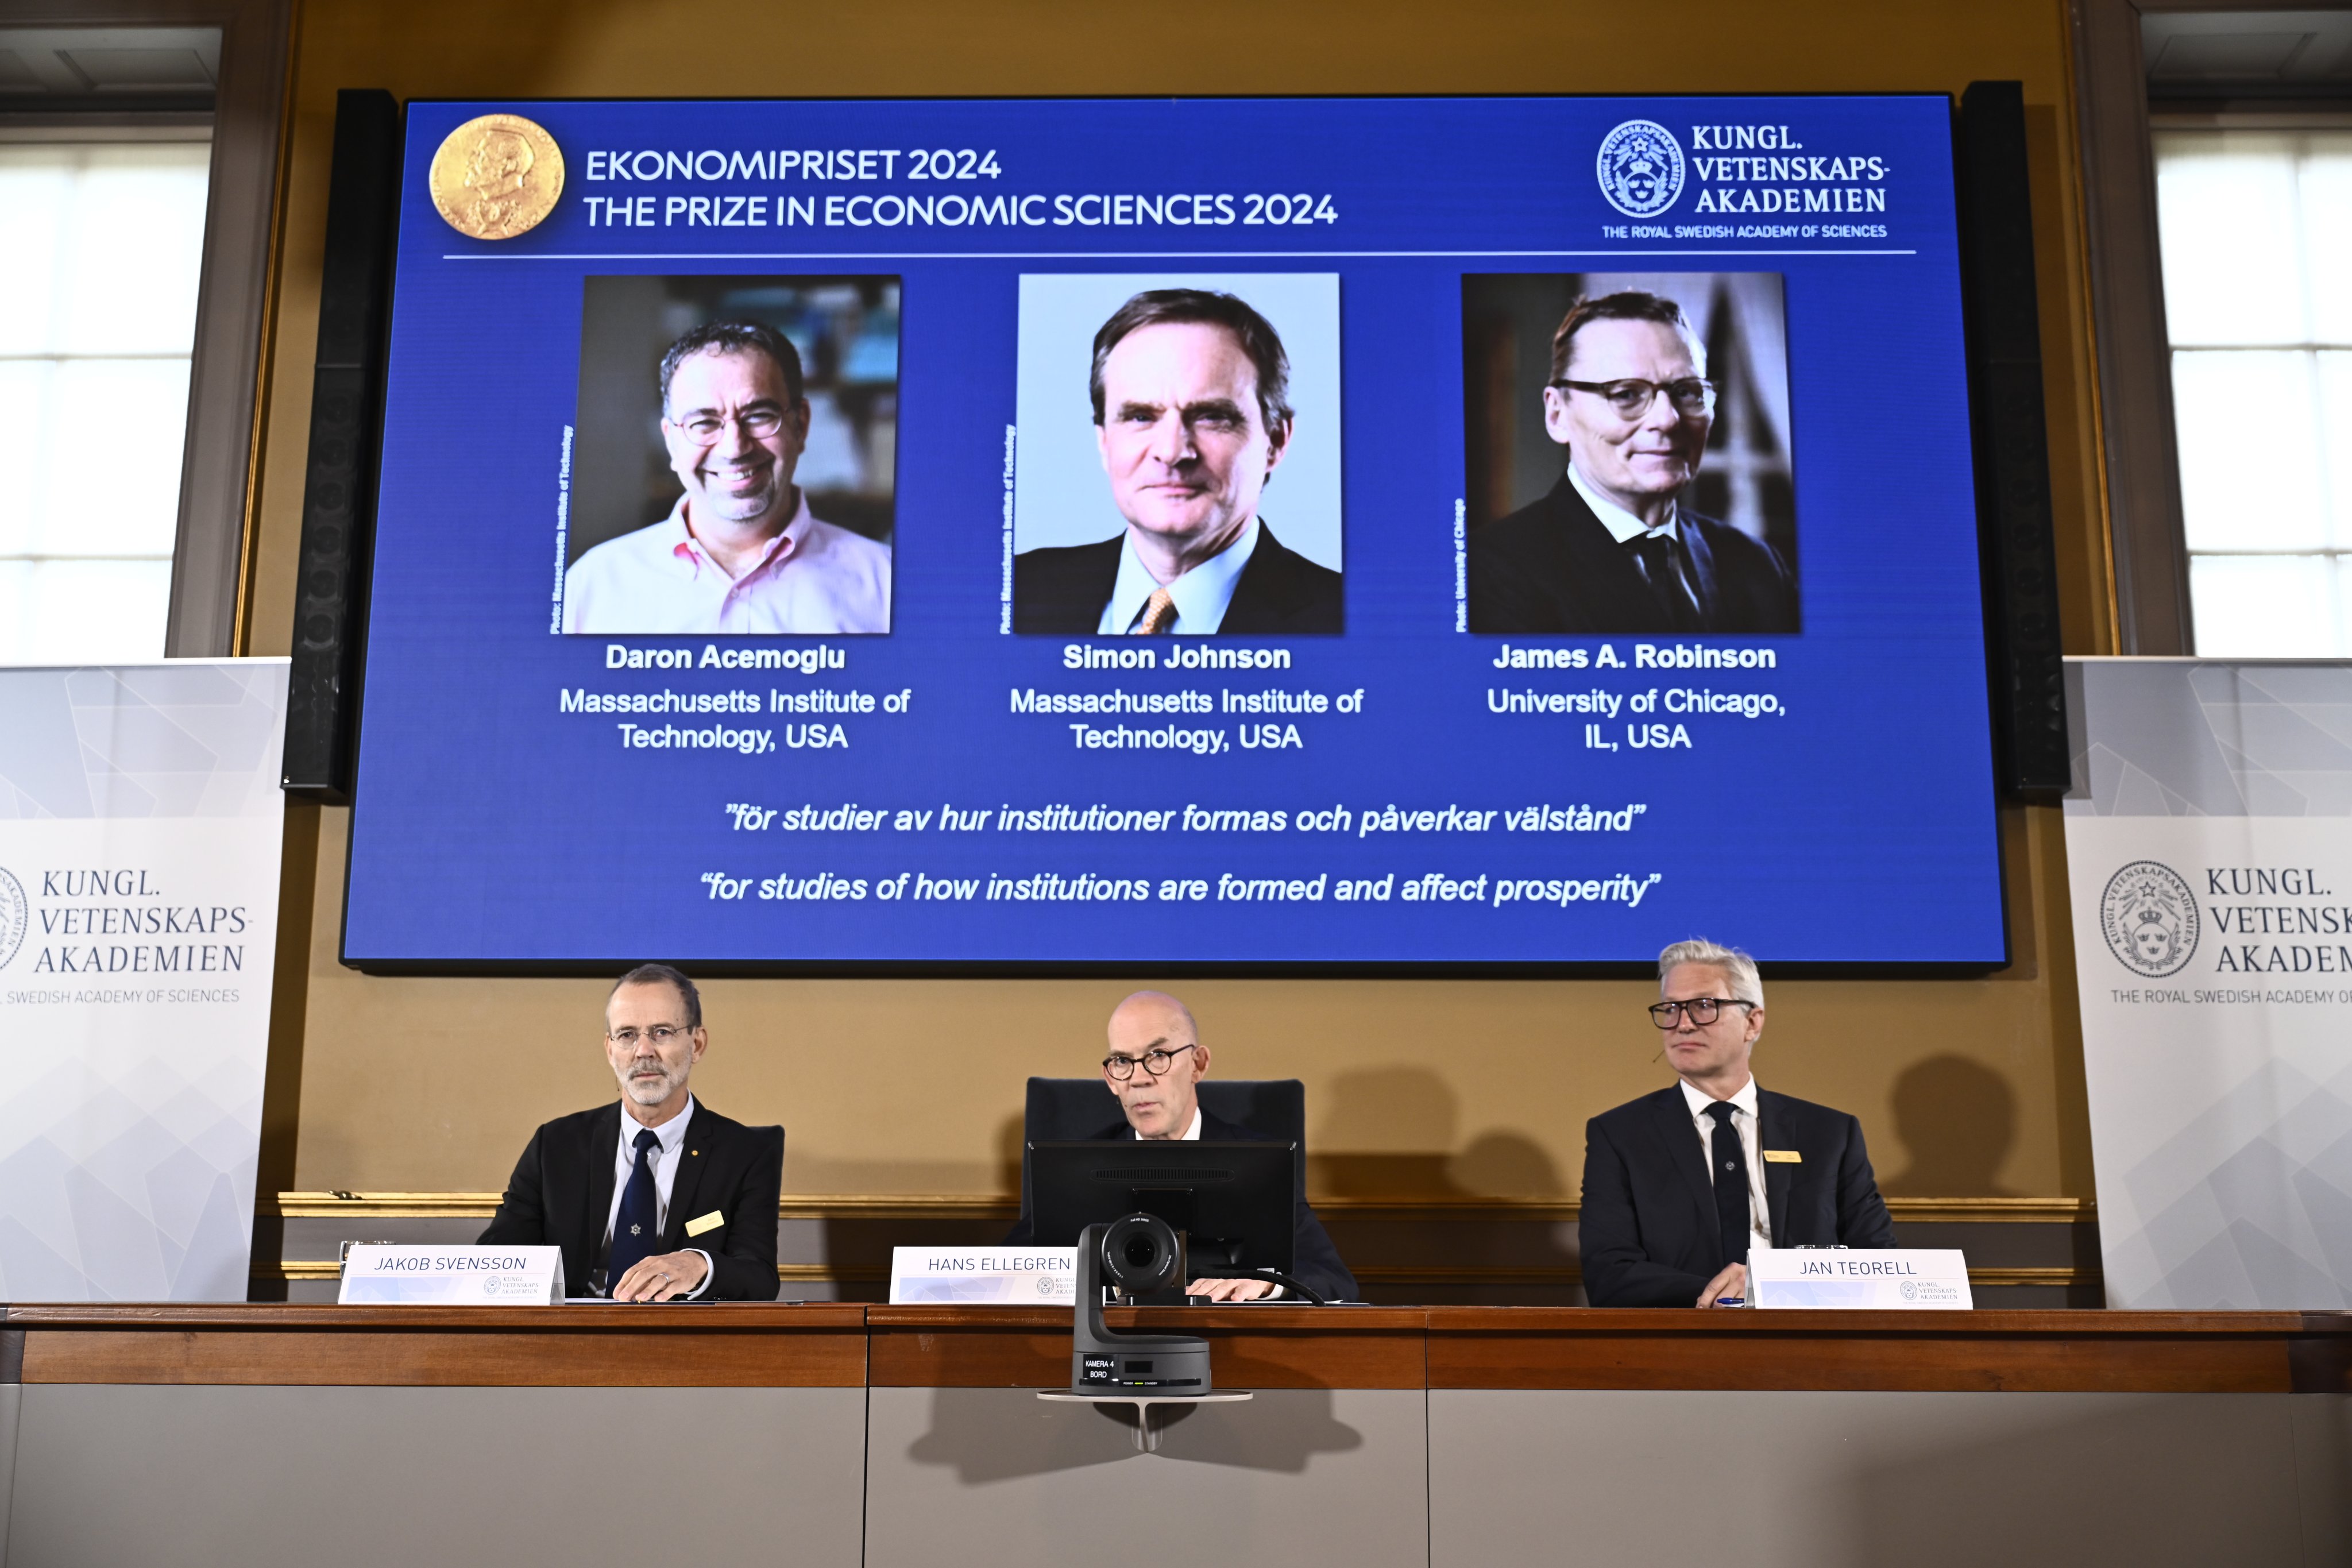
(1691, 398)
(1155, 1062)
(1700, 1010)
(759, 422)
(658, 1035)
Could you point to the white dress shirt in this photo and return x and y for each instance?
(1624, 526)
(1202, 595)
(1743, 1121)
(812, 579)
(672, 1135)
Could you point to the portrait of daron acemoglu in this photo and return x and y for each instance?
(734, 465)
(1194, 421)
(1630, 462)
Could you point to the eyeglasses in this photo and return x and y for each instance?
(658, 1035)
(1155, 1062)
(1691, 397)
(1700, 1010)
(759, 422)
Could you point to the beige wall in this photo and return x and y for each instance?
(1415, 1088)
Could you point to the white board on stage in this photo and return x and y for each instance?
(1005, 1276)
(140, 829)
(444, 1276)
(1862, 1279)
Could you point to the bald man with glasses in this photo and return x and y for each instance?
(1155, 1063)
(1680, 1184)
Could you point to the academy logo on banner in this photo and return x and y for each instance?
(2149, 918)
(2208, 847)
(15, 916)
(1641, 168)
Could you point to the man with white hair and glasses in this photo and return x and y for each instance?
(1679, 1185)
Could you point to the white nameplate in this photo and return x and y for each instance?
(455, 1275)
(1006, 1276)
(1890, 1279)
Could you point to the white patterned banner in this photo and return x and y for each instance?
(140, 823)
(2209, 846)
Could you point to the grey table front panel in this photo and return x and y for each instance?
(147, 1477)
(1857, 1480)
(977, 1477)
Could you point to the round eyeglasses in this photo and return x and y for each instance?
(1155, 1062)
(1691, 398)
(1700, 1010)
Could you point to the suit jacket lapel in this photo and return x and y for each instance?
(1680, 1139)
(1776, 1128)
(1610, 589)
(686, 1186)
(1266, 591)
(1703, 575)
(1093, 580)
(604, 1140)
(1216, 1129)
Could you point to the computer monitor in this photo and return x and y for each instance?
(1232, 1201)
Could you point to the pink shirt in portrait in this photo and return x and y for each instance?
(812, 578)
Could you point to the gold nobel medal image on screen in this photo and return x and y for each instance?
(496, 176)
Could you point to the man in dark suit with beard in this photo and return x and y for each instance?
(1611, 548)
(1155, 1062)
(1680, 1184)
(1190, 394)
(663, 1196)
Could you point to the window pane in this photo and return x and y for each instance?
(25, 406)
(99, 272)
(36, 188)
(2257, 234)
(2265, 606)
(2336, 440)
(114, 458)
(2227, 219)
(2327, 232)
(134, 251)
(82, 612)
(2250, 461)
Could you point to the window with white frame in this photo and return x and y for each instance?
(2256, 227)
(98, 314)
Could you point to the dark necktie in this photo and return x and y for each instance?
(1731, 1183)
(636, 1233)
(1656, 553)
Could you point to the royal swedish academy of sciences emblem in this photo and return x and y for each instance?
(496, 176)
(15, 914)
(2149, 915)
(1641, 168)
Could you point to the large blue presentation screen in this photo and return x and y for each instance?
(1265, 534)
